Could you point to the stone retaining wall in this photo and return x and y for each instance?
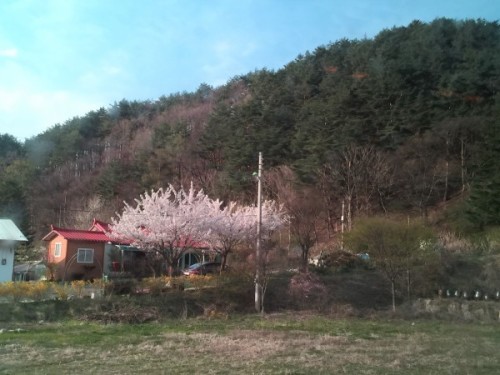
(487, 311)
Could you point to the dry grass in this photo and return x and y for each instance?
(275, 344)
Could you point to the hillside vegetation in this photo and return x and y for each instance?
(407, 123)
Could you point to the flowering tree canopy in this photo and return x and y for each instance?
(230, 226)
(165, 222)
(168, 222)
(274, 216)
(235, 224)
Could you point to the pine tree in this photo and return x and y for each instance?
(484, 200)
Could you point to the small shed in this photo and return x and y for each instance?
(75, 254)
(10, 236)
(30, 271)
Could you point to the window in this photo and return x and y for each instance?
(188, 260)
(57, 249)
(85, 256)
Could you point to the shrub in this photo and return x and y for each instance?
(78, 287)
(36, 290)
(340, 260)
(10, 289)
(124, 285)
(307, 290)
(154, 285)
(62, 291)
(200, 281)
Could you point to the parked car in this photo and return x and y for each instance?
(202, 268)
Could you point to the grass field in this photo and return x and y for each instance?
(284, 343)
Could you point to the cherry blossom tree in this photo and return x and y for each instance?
(274, 217)
(233, 225)
(164, 222)
(169, 222)
(230, 227)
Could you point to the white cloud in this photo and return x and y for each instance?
(58, 106)
(25, 112)
(9, 52)
(112, 70)
(228, 60)
(97, 79)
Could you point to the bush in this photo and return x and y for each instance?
(158, 285)
(153, 285)
(120, 283)
(307, 290)
(35, 290)
(200, 281)
(62, 291)
(340, 261)
(466, 272)
(78, 287)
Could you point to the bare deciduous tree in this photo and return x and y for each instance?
(393, 245)
(356, 176)
(302, 204)
(92, 209)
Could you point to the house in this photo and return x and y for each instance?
(119, 255)
(75, 254)
(10, 236)
(198, 252)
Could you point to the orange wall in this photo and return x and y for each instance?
(59, 262)
(67, 267)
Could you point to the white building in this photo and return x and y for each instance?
(10, 236)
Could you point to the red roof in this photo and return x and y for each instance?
(188, 242)
(97, 233)
(99, 226)
(76, 234)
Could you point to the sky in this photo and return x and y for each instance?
(64, 58)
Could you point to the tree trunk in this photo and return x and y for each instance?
(462, 163)
(447, 170)
(393, 290)
(223, 261)
(408, 284)
(349, 213)
(264, 281)
(170, 270)
(305, 263)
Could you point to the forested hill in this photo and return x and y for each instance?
(401, 122)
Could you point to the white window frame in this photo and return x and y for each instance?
(57, 250)
(85, 255)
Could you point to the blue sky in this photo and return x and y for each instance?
(63, 58)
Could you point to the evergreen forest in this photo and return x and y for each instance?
(405, 123)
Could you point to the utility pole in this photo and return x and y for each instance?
(258, 265)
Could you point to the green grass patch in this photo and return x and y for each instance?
(271, 344)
